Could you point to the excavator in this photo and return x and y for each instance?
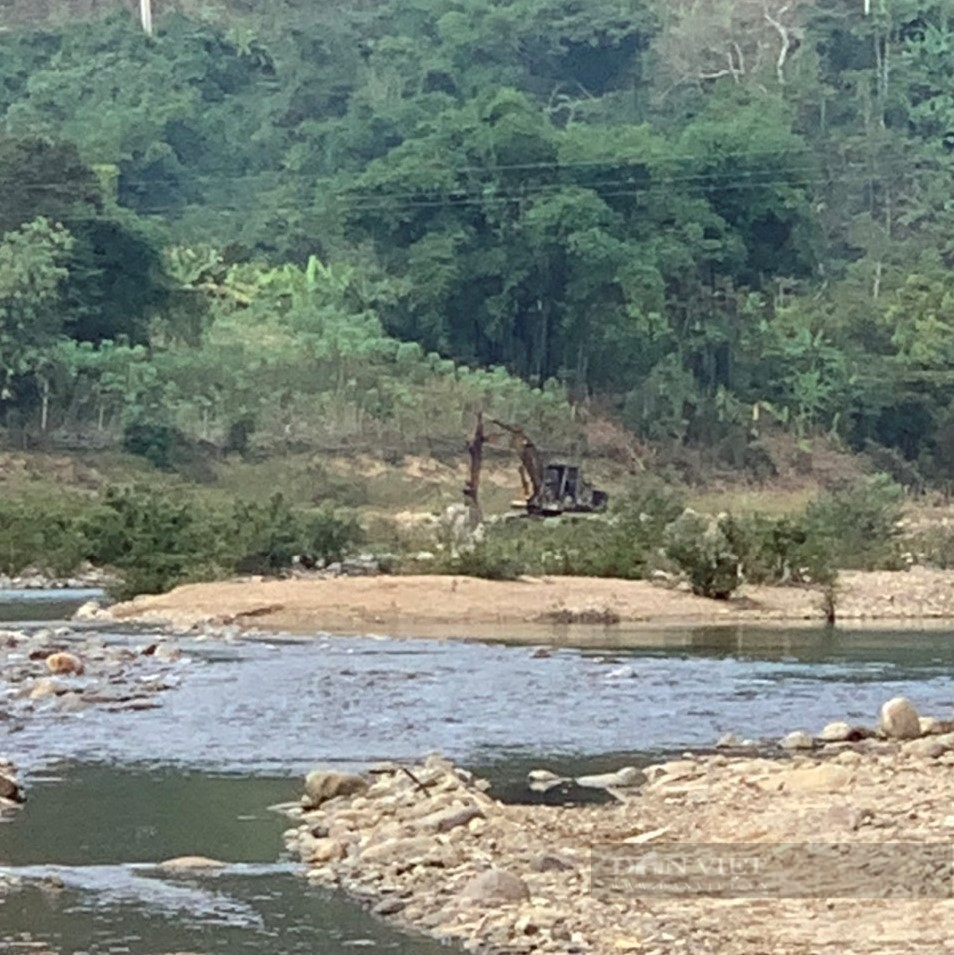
(549, 489)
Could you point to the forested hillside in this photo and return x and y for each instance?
(312, 220)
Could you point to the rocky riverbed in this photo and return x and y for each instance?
(428, 847)
(87, 577)
(62, 670)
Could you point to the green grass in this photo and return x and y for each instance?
(747, 501)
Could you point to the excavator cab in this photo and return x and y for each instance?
(564, 489)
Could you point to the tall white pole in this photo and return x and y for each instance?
(145, 12)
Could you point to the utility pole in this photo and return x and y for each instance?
(145, 13)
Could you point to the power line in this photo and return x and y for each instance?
(556, 166)
(407, 202)
(352, 195)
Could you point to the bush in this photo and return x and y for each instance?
(157, 540)
(857, 523)
(154, 442)
(268, 536)
(649, 506)
(934, 546)
(483, 560)
(702, 550)
(169, 449)
(42, 534)
(773, 550)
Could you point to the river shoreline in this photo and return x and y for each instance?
(546, 609)
(430, 849)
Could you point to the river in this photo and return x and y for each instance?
(113, 792)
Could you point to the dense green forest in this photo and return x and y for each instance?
(290, 223)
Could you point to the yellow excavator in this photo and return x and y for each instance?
(549, 489)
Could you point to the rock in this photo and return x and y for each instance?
(319, 851)
(627, 776)
(365, 565)
(322, 785)
(72, 703)
(823, 778)
(643, 837)
(495, 886)
(10, 789)
(60, 663)
(542, 780)
(931, 726)
(446, 819)
(552, 862)
(728, 741)
(46, 686)
(841, 818)
(543, 776)
(797, 740)
(535, 920)
(899, 719)
(191, 862)
(925, 748)
(167, 653)
(679, 769)
(389, 907)
(91, 610)
(397, 850)
(838, 732)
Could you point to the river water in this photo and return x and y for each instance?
(195, 775)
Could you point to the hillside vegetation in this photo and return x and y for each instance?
(285, 228)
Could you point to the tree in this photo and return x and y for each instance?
(32, 277)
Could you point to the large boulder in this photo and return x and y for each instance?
(64, 663)
(900, 720)
(322, 785)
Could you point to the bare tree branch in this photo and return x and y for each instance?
(785, 37)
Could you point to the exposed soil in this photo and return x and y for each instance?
(531, 608)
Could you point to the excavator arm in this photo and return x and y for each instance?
(531, 465)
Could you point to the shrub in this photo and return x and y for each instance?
(42, 534)
(155, 539)
(934, 546)
(774, 550)
(702, 550)
(158, 540)
(483, 560)
(154, 442)
(857, 523)
(268, 536)
(169, 449)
